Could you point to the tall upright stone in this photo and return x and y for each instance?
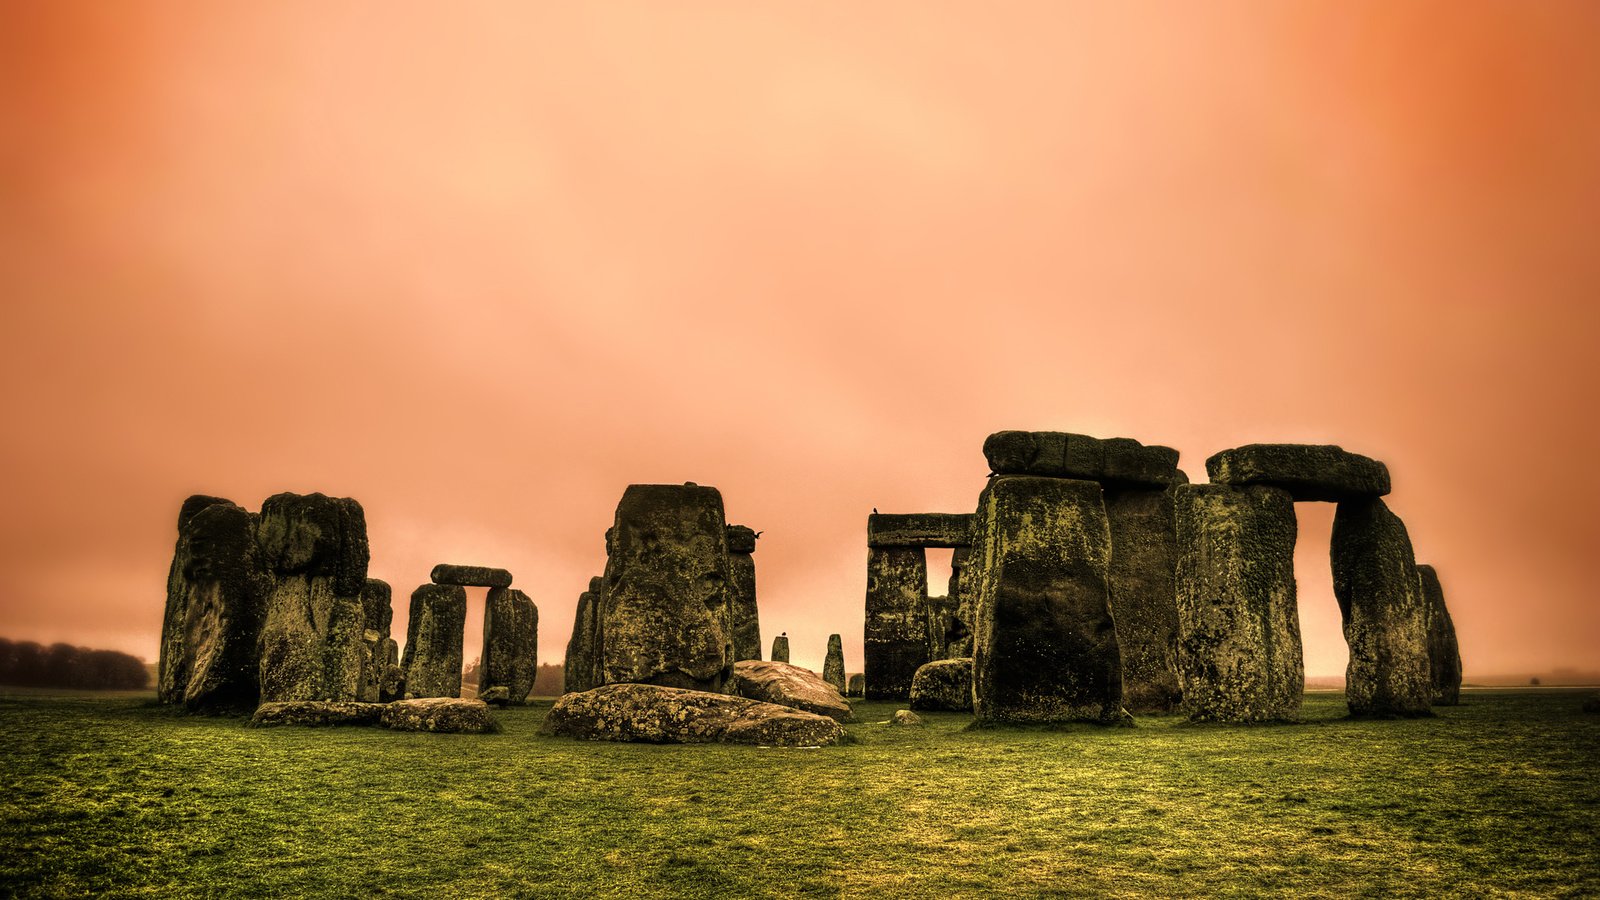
(895, 640)
(216, 596)
(1144, 595)
(944, 627)
(378, 620)
(311, 639)
(780, 648)
(958, 639)
(1380, 598)
(510, 659)
(833, 664)
(1045, 642)
(580, 671)
(1444, 654)
(434, 638)
(1239, 651)
(666, 589)
(744, 620)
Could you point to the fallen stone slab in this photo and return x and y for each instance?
(1059, 454)
(470, 576)
(905, 717)
(440, 714)
(316, 713)
(944, 684)
(1309, 472)
(919, 529)
(647, 713)
(791, 686)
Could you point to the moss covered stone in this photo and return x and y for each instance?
(315, 713)
(1444, 654)
(919, 529)
(744, 620)
(1380, 598)
(217, 593)
(944, 684)
(580, 671)
(470, 576)
(1079, 456)
(663, 715)
(1306, 471)
(510, 645)
(895, 638)
(1144, 595)
(787, 685)
(378, 615)
(434, 637)
(833, 663)
(1239, 651)
(1045, 643)
(447, 715)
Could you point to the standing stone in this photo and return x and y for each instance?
(378, 615)
(744, 621)
(958, 638)
(833, 665)
(434, 637)
(944, 627)
(217, 592)
(1144, 595)
(1045, 642)
(666, 584)
(580, 669)
(1239, 654)
(1380, 598)
(896, 634)
(510, 647)
(780, 648)
(1444, 655)
(311, 640)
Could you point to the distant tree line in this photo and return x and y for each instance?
(27, 664)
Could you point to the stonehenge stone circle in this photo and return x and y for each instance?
(510, 646)
(1379, 590)
(1239, 653)
(833, 664)
(744, 621)
(1307, 471)
(470, 576)
(1144, 591)
(1045, 644)
(780, 648)
(664, 715)
(581, 671)
(434, 637)
(1444, 655)
(786, 685)
(943, 684)
(666, 585)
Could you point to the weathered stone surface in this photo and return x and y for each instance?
(510, 658)
(1144, 595)
(582, 666)
(905, 717)
(216, 597)
(919, 529)
(666, 589)
(744, 620)
(833, 664)
(946, 632)
(895, 640)
(440, 714)
(1045, 646)
(856, 686)
(780, 648)
(664, 715)
(393, 684)
(1306, 471)
(1444, 655)
(1056, 454)
(316, 536)
(958, 631)
(315, 713)
(1379, 591)
(470, 576)
(378, 618)
(1239, 653)
(786, 685)
(943, 684)
(434, 637)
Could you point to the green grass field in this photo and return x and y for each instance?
(113, 796)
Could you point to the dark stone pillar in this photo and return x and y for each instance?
(1444, 655)
(833, 665)
(579, 669)
(896, 634)
(744, 620)
(433, 641)
(1380, 598)
(1144, 595)
(510, 659)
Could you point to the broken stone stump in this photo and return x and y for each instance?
(786, 685)
(1045, 646)
(944, 684)
(312, 636)
(1144, 595)
(895, 639)
(666, 589)
(780, 648)
(744, 622)
(581, 671)
(510, 646)
(1307, 471)
(1444, 655)
(434, 638)
(833, 664)
(857, 685)
(1379, 591)
(470, 576)
(1239, 653)
(652, 714)
(447, 715)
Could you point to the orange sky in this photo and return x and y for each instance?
(482, 268)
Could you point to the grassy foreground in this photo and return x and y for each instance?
(112, 796)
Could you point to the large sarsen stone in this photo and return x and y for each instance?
(663, 715)
(1379, 590)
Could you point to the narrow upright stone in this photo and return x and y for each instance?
(1380, 599)
(434, 637)
(1144, 595)
(378, 619)
(580, 669)
(958, 643)
(896, 634)
(1239, 653)
(510, 658)
(1045, 642)
(780, 648)
(744, 620)
(833, 665)
(1444, 655)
